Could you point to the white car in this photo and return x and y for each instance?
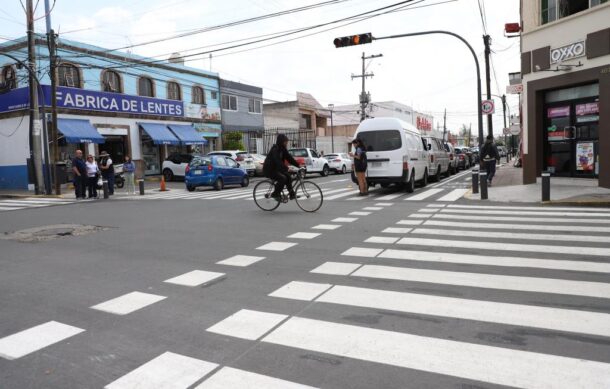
(311, 160)
(174, 165)
(244, 159)
(339, 163)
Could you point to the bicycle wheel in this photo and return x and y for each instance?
(309, 196)
(262, 196)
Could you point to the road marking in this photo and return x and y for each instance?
(33, 339)
(511, 235)
(459, 175)
(424, 195)
(277, 246)
(167, 371)
(436, 205)
(362, 252)
(247, 324)
(453, 195)
(355, 199)
(34, 203)
(525, 213)
(420, 215)
(11, 208)
(536, 248)
(243, 196)
(524, 226)
(326, 226)
(395, 230)
(522, 219)
(344, 219)
(391, 196)
(297, 290)
(304, 235)
(372, 208)
(490, 281)
(383, 204)
(336, 268)
(548, 208)
(195, 278)
(428, 210)
(553, 264)
(230, 378)
(128, 303)
(512, 368)
(338, 196)
(240, 260)
(359, 213)
(410, 222)
(381, 239)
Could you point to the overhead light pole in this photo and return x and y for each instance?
(332, 130)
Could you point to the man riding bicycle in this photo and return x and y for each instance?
(275, 167)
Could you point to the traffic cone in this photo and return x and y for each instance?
(163, 188)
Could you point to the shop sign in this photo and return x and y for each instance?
(198, 111)
(554, 133)
(423, 123)
(587, 109)
(585, 156)
(573, 50)
(558, 112)
(514, 89)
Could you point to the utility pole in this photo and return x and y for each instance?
(332, 130)
(52, 44)
(365, 97)
(504, 113)
(35, 126)
(487, 42)
(444, 124)
(470, 134)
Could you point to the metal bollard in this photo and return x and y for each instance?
(105, 188)
(141, 186)
(546, 186)
(475, 180)
(483, 177)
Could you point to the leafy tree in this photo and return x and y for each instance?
(233, 141)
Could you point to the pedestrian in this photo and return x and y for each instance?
(360, 165)
(79, 168)
(107, 168)
(129, 169)
(93, 173)
(490, 155)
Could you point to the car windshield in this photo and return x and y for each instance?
(329, 156)
(298, 152)
(384, 140)
(198, 161)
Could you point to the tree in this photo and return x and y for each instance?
(232, 141)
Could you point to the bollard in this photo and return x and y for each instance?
(475, 180)
(507, 158)
(483, 177)
(141, 186)
(546, 186)
(105, 188)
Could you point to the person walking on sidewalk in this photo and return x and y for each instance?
(79, 168)
(360, 166)
(93, 172)
(129, 169)
(490, 156)
(107, 168)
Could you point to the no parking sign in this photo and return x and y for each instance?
(488, 107)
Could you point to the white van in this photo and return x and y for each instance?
(395, 152)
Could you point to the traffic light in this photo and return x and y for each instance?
(353, 40)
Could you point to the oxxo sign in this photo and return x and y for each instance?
(573, 50)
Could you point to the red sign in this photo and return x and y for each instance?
(423, 124)
(587, 109)
(558, 112)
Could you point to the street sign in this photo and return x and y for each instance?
(506, 131)
(488, 107)
(514, 89)
(515, 129)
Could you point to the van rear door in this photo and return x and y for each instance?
(384, 150)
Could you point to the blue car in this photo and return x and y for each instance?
(216, 171)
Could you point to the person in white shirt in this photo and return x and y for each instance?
(92, 175)
(107, 168)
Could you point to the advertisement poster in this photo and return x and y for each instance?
(585, 157)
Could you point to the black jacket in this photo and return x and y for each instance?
(489, 152)
(275, 161)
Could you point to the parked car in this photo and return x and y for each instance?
(452, 158)
(175, 165)
(502, 151)
(463, 160)
(259, 160)
(474, 151)
(339, 163)
(216, 171)
(242, 157)
(311, 160)
(438, 159)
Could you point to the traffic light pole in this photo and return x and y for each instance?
(476, 61)
(364, 99)
(487, 43)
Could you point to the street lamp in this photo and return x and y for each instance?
(332, 135)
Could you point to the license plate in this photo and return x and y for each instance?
(377, 164)
(197, 172)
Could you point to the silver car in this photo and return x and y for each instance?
(339, 162)
(438, 159)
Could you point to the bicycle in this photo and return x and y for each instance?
(309, 196)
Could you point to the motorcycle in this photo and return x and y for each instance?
(119, 179)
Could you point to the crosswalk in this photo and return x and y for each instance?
(32, 202)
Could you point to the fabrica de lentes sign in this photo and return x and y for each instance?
(573, 50)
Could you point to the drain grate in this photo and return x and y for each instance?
(45, 233)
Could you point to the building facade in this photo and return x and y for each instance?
(107, 101)
(565, 67)
(242, 111)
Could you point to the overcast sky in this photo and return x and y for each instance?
(430, 73)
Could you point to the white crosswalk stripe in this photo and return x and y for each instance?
(34, 202)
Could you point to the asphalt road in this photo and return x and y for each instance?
(423, 292)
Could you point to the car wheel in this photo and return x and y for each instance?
(190, 188)
(168, 175)
(424, 181)
(218, 184)
(325, 170)
(245, 182)
(410, 187)
(343, 169)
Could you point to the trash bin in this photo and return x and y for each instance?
(61, 172)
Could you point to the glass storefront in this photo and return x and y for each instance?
(151, 155)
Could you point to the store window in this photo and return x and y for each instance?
(111, 82)
(146, 87)
(305, 121)
(229, 102)
(214, 95)
(9, 78)
(254, 106)
(552, 10)
(173, 91)
(198, 96)
(68, 75)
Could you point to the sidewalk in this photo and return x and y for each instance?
(507, 187)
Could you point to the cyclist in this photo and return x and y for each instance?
(275, 167)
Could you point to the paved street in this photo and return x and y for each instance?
(396, 290)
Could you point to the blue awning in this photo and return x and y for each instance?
(160, 134)
(187, 134)
(79, 131)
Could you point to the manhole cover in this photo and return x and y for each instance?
(44, 233)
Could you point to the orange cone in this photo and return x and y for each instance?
(163, 188)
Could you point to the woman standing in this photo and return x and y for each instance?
(129, 169)
(92, 176)
(360, 165)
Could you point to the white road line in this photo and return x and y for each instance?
(490, 281)
(362, 252)
(240, 260)
(381, 239)
(391, 196)
(338, 196)
(16, 203)
(420, 215)
(359, 213)
(532, 208)
(453, 195)
(384, 204)
(511, 235)
(506, 246)
(395, 230)
(428, 210)
(11, 208)
(552, 264)
(336, 268)
(195, 278)
(33, 339)
(128, 303)
(326, 226)
(458, 176)
(512, 368)
(230, 378)
(344, 219)
(436, 205)
(410, 222)
(524, 213)
(167, 371)
(355, 199)
(524, 226)
(35, 202)
(276, 246)
(49, 199)
(304, 235)
(297, 290)
(424, 195)
(247, 324)
(523, 219)
(372, 208)
(242, 196)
